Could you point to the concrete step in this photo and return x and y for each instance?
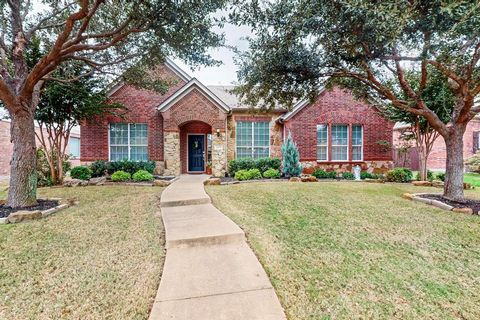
(213, 270)
(248, 305)
(189, 202)
(197, 225)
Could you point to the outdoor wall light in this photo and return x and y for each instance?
(218, 132)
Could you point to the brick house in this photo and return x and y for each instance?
(438, 156)
(6, 147)
(193, 125)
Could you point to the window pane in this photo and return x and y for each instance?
(118, 153)
(244, 134)
(138, 154)
(260, 152)
(339, 135)
(74, 147)
(322, 134)
(244, 152)
(357, 153)
(261, 134)
(138, 134)
(322, 153)
(339, 153)
(119, 133)
(356, 135)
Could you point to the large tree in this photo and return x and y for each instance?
(106, 35)
(368, 47)
(438, 98)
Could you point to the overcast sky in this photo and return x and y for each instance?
(226, 73)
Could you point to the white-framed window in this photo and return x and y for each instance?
(128, 141)
(339, 142)
(322, 142)
(357, 142)
(253, 139)
(74, 147)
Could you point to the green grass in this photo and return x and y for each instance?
(101, 259)
(343, 250)
(472, 178)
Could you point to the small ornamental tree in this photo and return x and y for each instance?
(291, 158)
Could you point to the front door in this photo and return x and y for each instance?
(196, 153)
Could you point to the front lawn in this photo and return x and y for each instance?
(101, 259)
(343, 250)
(472, 178)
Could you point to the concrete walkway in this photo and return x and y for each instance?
(210, 272)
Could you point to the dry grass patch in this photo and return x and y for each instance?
(343, 250)
(101, 259)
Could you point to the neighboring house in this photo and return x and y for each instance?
(438, 156)
(6, 147)
(193, 125)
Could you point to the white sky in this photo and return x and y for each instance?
(226, 73)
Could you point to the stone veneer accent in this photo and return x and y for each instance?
(377, 167)
(172, 153)
(219, 156)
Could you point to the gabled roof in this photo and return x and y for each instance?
(117, 84)
(297, 107)
(187, 88)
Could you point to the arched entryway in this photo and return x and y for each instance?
(195, 146)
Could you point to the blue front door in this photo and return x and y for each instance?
(196, 153)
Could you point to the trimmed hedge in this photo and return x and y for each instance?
(142, 175)
(348, 176)
(248, 174)
(119, 176)
(81, 172)
(322, 174)
(271, 174)
(262, 164)
(100, 168)
(399, 175)
(367, 175)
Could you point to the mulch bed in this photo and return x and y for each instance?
(468, 203)
(5, 211)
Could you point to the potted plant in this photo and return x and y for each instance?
(208, 168)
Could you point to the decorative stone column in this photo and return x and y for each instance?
(219, 154)
(172, 153)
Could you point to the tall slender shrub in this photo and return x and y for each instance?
(291, 158)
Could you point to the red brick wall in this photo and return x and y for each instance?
(141, 105)
(191, 127)
(194, 106)
(339, 107)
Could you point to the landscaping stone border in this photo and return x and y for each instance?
(25, 215)
(439, 204)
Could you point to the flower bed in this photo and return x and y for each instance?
(469, 206)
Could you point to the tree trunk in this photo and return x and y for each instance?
(454, 169)
(22, 191)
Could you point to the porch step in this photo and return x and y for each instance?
(198, 225)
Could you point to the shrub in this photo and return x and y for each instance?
(240, 164)
(99, 168)
(81, 172)
(44, 175)
(120, 176)
(291, 158)
(322, 174)
(263, 164)
(399, 175)
(130, 166)
(367, 175)
(440, 176)
(271, 174)
(473, 163)
(248, 174)
(348, 176)
(429, 176)
(142, 175)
